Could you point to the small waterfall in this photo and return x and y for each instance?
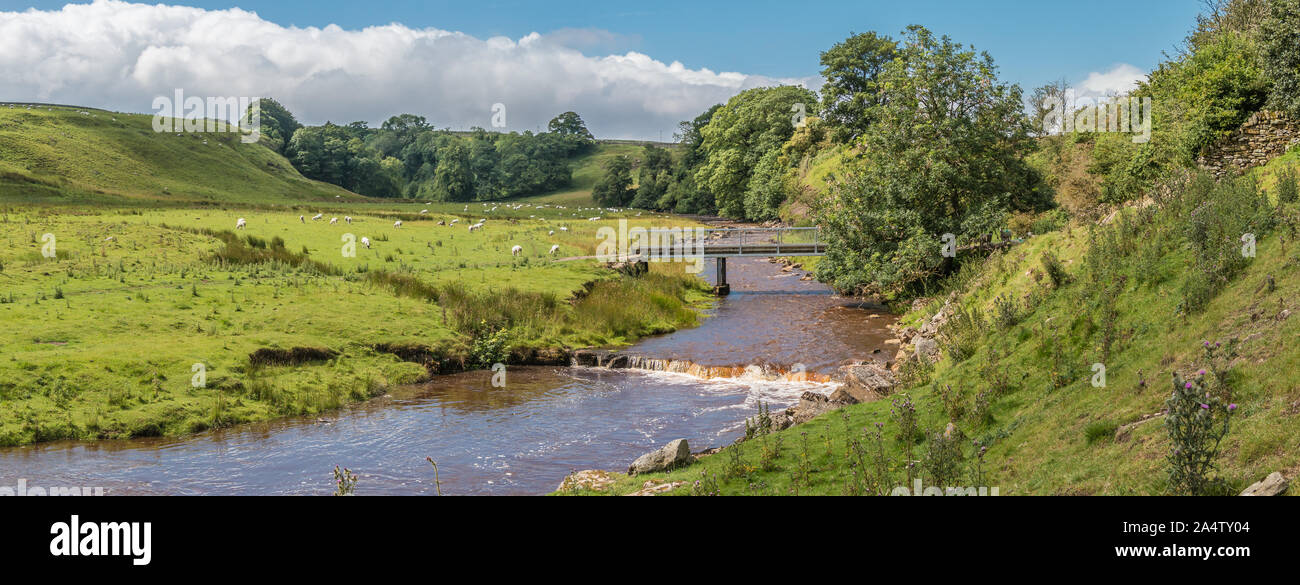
(750, 372)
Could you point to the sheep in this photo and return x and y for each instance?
(317, 216)
(239, 225)
(453, 222)
(554, 249)
(516, 250)
(475, 227)
(108, 239)
(365, 242)
(302, 218)
(424, 211)
(564, 228)
(348, 218)
(397, 223)
(550, 233)
(334, 220)
(597, 218)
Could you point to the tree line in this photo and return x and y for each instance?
(407, 157)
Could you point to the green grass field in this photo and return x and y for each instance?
(150, 281)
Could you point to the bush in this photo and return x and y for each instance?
(1197, 423)
(1055, 270)
(1288, 188)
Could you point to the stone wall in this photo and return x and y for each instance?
(1263, 137)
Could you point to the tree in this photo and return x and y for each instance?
(738, 136)
(1281, 44)
(943, 156)
(453, 180)
(653, 177)
(614, 189)
(851, 68)
(569, 124)
(1045, 100)
(278, 124)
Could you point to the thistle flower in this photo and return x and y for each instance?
(1232, 407)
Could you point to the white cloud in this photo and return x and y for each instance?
(1119, 80)
(118, 55)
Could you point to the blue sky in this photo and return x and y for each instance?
(1032, 42)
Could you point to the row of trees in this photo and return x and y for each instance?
(407, 157)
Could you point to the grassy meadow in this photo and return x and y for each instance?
(151, 288)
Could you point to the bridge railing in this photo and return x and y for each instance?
(792, 241)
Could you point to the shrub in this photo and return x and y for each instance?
(1055, 270)
(1197, 421)
(1288, 188)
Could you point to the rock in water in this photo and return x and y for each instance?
(865, 382)
(1273, 485)
(670, 456)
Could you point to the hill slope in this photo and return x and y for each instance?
(62, 155)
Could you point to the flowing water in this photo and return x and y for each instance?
(772, 339)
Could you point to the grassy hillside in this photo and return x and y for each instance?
(1142, 295)
(587, 170)
(62, 155)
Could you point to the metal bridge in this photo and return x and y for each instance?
(724, 243)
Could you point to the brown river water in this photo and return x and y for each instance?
(772, 339)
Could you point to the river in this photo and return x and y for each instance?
(699, 384)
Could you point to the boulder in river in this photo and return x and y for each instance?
(670, 456)
(865, 382)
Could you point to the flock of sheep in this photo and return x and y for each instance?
(242, 223)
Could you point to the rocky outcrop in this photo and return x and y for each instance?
(589, 479)
(865, 382)
(1273, 485)
(1265, 135)
(1124, 431)
(812, 405)
(654, 488)
(670, 456)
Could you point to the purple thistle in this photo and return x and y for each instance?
(1232, 407)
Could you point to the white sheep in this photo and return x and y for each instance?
(334, 220)
(597, 218)
(453, 222)
(317, 216)
(365, 242)
(515, 251)
(347, 218)
(302, 218)
(397, 223)
(239, 225)
(424, 211)
(564, 228)
(550, 233)
(554, 249)
(475, 226)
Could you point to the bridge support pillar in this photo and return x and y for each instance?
(722, 289)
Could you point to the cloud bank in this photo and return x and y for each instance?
(1118, 80)
(118, 55)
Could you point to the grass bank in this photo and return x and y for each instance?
(167, 321)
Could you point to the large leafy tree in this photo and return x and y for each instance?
(752, 124)
(614, 188)
(942, 156)
(277, 124)
(852, 68)
(1281, 40)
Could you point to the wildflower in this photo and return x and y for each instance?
(1187, 385)
(1200, 373)
(1232, 407)
(1205, 406)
